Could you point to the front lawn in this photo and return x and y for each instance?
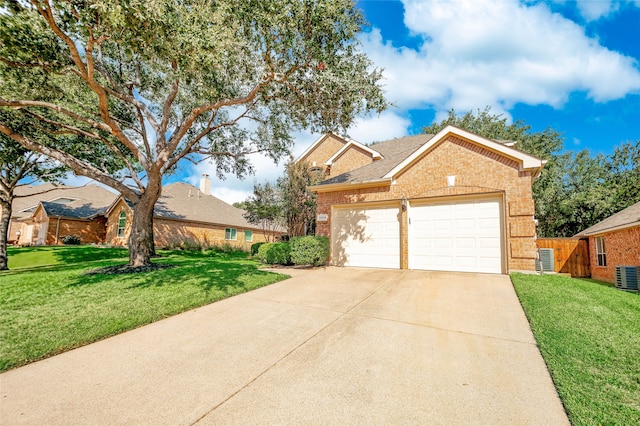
(589, 336)
(52, 309)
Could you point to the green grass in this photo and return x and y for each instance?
(589, 336)
(34, 257)
(49, 310)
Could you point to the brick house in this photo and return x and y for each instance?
(45, 214)
(185, 215)
(453, 201)
(613, 242)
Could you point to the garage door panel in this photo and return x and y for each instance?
(456, 236)
(366, 237)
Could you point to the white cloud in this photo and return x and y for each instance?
(594, 10)
(387, 125)
(499, 54)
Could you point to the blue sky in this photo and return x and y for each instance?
(572, 66)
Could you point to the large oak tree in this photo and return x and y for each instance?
(154, 82)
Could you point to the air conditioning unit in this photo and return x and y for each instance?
(546, 261)
(627, 277)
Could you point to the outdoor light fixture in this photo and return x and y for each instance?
(451, 180)
(403, 202)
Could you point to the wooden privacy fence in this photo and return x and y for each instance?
(571, 255)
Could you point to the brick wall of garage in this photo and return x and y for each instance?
(622, 249)
(478, 171)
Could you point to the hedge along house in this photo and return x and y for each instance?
(45, 214)
(613, 242)
(453, 201)
(185, 215)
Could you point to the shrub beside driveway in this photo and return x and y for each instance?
(52, 309)
(589, 336)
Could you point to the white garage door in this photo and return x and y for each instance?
(366, 237)
(456, 236)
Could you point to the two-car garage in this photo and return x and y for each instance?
(449, 235)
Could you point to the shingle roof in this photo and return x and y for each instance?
(185, 202)
(80, 209)
(623, 219)
(86, 198)
(394, 152)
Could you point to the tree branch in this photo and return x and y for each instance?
(76, 165)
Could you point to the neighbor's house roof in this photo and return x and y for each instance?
(184, 202)
(399, 154)
(62, 201)
(623, 219)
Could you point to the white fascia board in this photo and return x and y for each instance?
(350, 143)
(527, 161)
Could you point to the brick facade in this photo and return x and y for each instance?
(622, 248)
(171, 233)
(323, 151)
(478, 171)
(352, 158)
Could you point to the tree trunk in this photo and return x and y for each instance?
(141, 244)
(4, 228)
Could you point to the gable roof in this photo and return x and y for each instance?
(528, 162)
(318, 142)
(623, 219)
(400, 153)
(78, 209)
(374, 154)
(92, 197)
(181, 201)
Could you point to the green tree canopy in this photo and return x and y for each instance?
(264, 208)
(151, 83)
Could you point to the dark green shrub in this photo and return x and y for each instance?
(71, 240)
(274, 253)
(255, 247)
(309, 250)
(261, 255)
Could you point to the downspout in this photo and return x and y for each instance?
(57, 229)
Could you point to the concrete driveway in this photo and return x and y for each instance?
(328, 346)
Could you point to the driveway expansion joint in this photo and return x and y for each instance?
(285, 356)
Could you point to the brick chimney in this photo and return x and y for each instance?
(205, 184)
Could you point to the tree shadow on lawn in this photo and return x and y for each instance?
(227, 274)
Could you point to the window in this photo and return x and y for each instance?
(230, 234)
(122, 222)
(248, 236)
(62, 200)
(316, 171)
(601, 255)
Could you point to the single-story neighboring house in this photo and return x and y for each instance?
(44, 214)
(183, 216)
(613, 242)
(453, 201)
